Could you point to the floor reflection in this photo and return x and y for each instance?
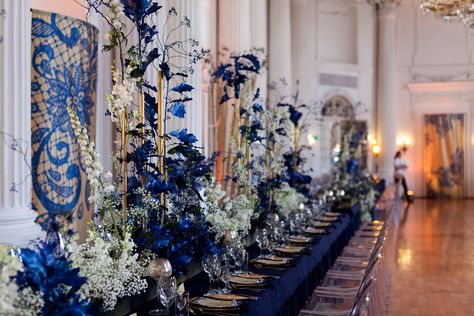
(433, 258)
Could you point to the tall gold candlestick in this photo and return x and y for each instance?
(124, 170)
(160, 122)
(237, 123)
(295, 147)
(141, 108)
(161, 137)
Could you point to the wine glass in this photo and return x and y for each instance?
(263, 242)
(168, 292)
(239, 258)
(216, 272)
(206, 265)
(211, 266)
(225, 278)
(183, 303)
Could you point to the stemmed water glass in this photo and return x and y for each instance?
(225, 278)
(183, 303)
(212, 267)
(263, 242)
(239, 254)
(168, 290)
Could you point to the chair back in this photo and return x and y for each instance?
(360, 306)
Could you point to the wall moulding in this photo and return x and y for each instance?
(452, 86)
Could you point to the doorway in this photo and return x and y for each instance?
(443, 155)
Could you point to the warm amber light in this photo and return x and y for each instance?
(376, 149)
(403, 141)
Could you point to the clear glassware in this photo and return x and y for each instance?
(207, 266)
(216, 272)
(239, 258)
(159, 309)
(263, 242)
(225, 278)
(168, 291)
(245, 259)
(182, 304)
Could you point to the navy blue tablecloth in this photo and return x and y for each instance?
(288, 293)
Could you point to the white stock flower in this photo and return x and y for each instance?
(98, 178)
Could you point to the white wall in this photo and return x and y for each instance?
(66, 7)
(431, 51)
(333, 37)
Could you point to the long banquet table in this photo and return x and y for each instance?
(288, 293)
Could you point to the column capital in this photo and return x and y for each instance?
(385, 6)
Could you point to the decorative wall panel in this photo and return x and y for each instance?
(64, 73)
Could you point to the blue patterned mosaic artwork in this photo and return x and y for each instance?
(64, 72)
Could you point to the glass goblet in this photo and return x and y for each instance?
(168, 292)
(216, 272)
(225, 278)
(183, 304)
(207, 266)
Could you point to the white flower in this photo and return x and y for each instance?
(14, 301)
(224, 213)
(288, 199)
(111, 267)
(96, 175)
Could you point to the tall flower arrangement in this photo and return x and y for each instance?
(237, 78)
(160, 172)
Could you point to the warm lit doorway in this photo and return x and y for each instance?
(444, 155)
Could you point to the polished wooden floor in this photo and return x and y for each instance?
(433, 260)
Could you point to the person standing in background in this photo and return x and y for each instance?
(400, 167)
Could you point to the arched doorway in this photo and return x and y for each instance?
(335, 110)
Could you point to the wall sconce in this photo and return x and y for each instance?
(376, 149)
(403, 142)
(312, 139)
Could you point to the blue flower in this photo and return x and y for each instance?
(177, 109)
(184, 136)
(182, 87)
(45, 271)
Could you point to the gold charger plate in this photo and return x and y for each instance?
(214, 304)
(230, 297)
(329, 219)
(291, 250)
(252, 275)
(319, 224)
(237, 280)
(271, 263)
(301, 239)
(315, 231)
(275, 258)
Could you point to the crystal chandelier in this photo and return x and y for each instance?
(450, 10)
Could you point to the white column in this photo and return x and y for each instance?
(386, 85)
(259, 33)
(279, 51)
(303, 43)
(16, 217)
(234, 30)
(193, 120)
(208, 40)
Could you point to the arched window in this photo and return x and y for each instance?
(338, 106)
(335, 110)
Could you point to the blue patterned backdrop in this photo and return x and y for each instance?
(64, 72)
